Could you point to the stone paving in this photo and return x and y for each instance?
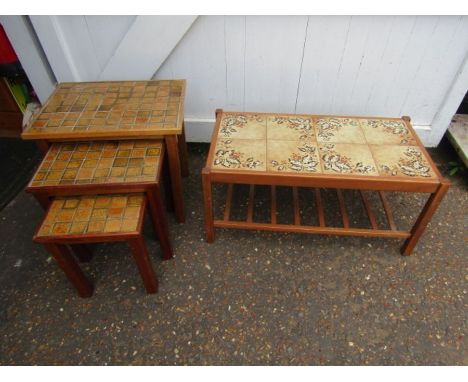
(250, 298)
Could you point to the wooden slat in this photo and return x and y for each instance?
(312, 229)
(297, 214)
(388, 211)
(251, 204)
(273, 204)
(227, 208)
(344, 212)
(318, 200)
(370, 214)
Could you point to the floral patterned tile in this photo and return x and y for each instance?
(292, 156)
(339, 130)
(240, 154)
(402, 161)
(386, 131)
(243, 126)
(343, 158)
(290, 127)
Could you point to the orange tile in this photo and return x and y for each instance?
(71, 203)
(96, 226)
(99, 213)
(82, 214)
(113, 226)
(61, 228)
(102, 201)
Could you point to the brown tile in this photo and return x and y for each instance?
(120, 162)
(71, 203)
(95, 226)
(78, 227)
(118, 201)
(113, 225)
(82, 214)
(129, 225)
(61, 228)
(89, 107)
(99, 213)
(102, 201)
(69, 174)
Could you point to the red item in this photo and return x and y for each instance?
(7, 54)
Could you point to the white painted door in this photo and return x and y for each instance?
(353, 65)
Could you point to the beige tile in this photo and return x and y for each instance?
(401, 161)
(386, 132)
(293, 156)
(290, 127)
(243, 126)
(343, 158)
(240, 154)
(339, 130)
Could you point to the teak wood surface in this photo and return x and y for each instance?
(436, 185)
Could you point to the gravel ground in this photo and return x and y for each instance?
(251, 298)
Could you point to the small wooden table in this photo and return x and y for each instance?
(360, 153)
(104, 167)
(118, 110)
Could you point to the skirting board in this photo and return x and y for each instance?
(200, 129)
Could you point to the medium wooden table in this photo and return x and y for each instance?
(313, 151)
(118, 110)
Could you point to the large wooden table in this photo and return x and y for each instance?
(118, 110)
(314, 151)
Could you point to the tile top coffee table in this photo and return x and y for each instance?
(341, 152)
(118, 110)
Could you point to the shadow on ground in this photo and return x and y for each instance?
(248, 298)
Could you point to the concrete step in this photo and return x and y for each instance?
(458, 135)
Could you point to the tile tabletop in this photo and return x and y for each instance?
(308, 144)
(110, 109)
(93, 214)
(103, 162)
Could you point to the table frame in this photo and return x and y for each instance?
(437, 187)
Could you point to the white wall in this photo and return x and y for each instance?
(359, 65)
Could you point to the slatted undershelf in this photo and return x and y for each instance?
(378, 220)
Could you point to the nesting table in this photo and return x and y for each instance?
(118, 110)
(317, 151)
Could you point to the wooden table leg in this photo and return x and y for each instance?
(158, 218)
(424, 218)
(43, 200)
(83, 253)
(176, 176)
(43, 146)
(72, 270)
(140, 254)
(80, 250)
(208, 205)
(183, 152)
(166, 180)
